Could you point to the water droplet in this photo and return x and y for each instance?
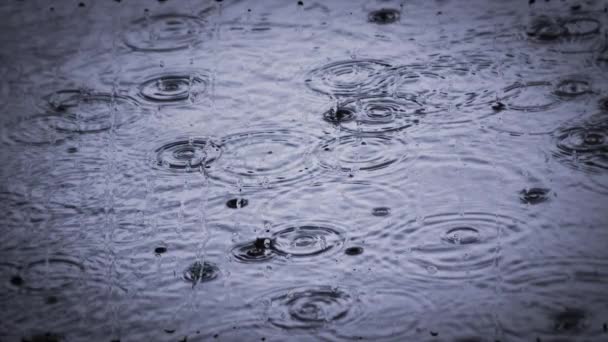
(384, 16)
(237, 203)
(353, 250)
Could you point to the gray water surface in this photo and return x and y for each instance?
(302, 171)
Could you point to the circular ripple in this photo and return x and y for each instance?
(384, 16)
(311, 307)
(532, 108)
(266, 157)
(534, 195)
(257, 251)
(163, 33)
(187, 154)
(562, 299)
(340, 114)
(582, 26)
(302, 240)
(352, 201)
(374, 114)
(434, 87)
(89, 112)
(348, 78)
(362, 152)
(200, 272)
(173, 87)
(530, 96)
(461, 235)
(52, 274)
(544, 28)
(584, 146)
(453, 246)
(36, 130)
(570, 88)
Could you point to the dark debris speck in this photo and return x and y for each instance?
(353, 250)
(498, 106)
(236, 203)
(17, 280)
(51, 300)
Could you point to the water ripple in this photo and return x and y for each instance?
(52, 274)
(452, 246)
(584, 144)
(89, 112)
(173, 87)
(265, 156)
(167, 32)
(348, 78)
(363, 152)
(200, 272)
(559, 298)
(307, 239)
(311, 307)
(376, 114)
(187, 154)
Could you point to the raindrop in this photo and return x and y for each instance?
(306, 240)
(173, 87)
(534, 195)
(461, 235)
(353, 251)
(311, 307)
(381, 211)
(160, 250)
(384, 16)
(201, 272)
(187, 154)
(373, 114)
(237, 203)
(257, 251)
(339, 115)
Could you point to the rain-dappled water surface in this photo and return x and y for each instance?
(299, 170)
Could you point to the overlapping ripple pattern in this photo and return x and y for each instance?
(278, 170)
